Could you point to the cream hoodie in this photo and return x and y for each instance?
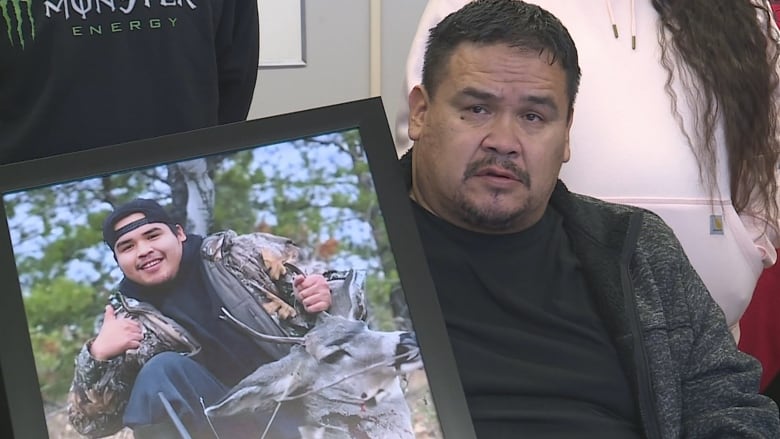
(627, 146)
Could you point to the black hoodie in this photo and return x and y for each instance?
(80, 74)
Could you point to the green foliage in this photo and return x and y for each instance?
(60, 314)
(378, 291)
(234, 180)
(54, 304)
(54, 361)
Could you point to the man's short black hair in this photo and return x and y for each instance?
(152, 211)
(511, 22)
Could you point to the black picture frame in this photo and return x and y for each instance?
(17, 363)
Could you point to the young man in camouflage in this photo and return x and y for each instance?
(162, 335)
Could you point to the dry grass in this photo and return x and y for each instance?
(60, 428)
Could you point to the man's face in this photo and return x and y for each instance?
(150, 254)
(489, 145)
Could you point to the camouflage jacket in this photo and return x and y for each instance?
(252, 275)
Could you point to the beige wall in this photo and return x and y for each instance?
(339, 55)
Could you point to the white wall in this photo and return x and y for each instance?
(338, 57)
(399, 23)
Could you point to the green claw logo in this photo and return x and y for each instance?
(14, 13)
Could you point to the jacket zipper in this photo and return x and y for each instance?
(647, 407)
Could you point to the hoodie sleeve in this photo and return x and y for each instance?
(708, 380)
(720, 383)
(237, 45)
(98, 394)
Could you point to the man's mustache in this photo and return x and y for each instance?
(507, 165)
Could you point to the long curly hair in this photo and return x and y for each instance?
(730, 48)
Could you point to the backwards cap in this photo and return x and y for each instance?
(153, 213)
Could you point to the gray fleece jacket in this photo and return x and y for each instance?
(689, 379)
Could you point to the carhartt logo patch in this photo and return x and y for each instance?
(716, 224)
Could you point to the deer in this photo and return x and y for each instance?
(346, 374)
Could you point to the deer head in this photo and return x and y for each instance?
(345, 373)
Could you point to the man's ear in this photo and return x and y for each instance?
(180, 233)
(567, 150)
(418, 108)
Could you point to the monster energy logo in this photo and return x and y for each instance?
(83, 8)
(20, 24)
(14, 14)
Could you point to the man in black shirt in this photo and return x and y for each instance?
(568, 316)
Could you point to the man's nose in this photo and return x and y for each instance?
(504, 136)
(143, 247)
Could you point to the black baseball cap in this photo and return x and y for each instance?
(153, 213)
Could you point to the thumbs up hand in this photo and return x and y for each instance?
(116, 336)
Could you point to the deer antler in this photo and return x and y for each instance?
(265, 337)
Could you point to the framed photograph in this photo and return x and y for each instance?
(324, 182)
(282, 33)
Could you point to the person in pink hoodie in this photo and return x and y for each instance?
(677, 113)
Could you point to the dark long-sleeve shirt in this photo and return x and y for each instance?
(77, 79)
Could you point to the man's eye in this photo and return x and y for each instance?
(478, 109)
(532, 117)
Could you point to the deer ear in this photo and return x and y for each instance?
(320, 352)
(348, 295)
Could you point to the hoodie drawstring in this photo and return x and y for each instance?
(633, 25)
(614, 25)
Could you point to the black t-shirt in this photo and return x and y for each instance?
(533, 355)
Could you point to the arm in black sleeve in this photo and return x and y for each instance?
(237, 58)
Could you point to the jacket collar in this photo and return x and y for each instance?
(604, 237)
(601, 239)
(604, 224)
